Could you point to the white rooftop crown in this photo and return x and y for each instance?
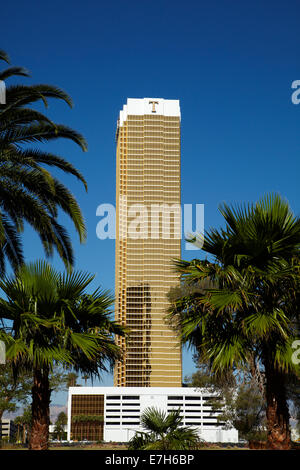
(158, 106)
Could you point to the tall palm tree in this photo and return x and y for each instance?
(55, 321)
(23, 423)
(251, 311)
(85, 378)
(72, 379)
(163, 432)
(28, 191)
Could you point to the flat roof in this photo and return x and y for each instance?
(139, 391)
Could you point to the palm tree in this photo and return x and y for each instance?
(72, 379)
(85, 378)
(55, 321)
(163, 432)
(60, 423)
(251, 310)
(24, 423)
(28, 192)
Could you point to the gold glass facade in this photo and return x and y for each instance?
(147, 238)
(87, 412)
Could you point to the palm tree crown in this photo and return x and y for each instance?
(163, 432)
(249, 311)
(51, 319)
(28, 192)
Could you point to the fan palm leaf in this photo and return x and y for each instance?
(163, 432)
(50, 318)
(251, 308)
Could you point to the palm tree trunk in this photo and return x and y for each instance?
(279, 436)
(39, 437)
(24, 434)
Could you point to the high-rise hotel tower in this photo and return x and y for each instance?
(147, 238)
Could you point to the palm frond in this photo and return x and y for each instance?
(4, 56)
(13, 71)
(29, 193)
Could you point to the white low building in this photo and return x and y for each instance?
(8, 429)
(121, 408)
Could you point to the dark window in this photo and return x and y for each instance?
(131, 422)
(211, 398)
(174, 397)
(191, 424)
(113, 397)
(113, 422)
(213, 424)
(130, 404)
(131, 397)
(192, 398)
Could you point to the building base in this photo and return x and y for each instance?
(113, 413)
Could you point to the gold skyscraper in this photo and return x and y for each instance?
(147, 238)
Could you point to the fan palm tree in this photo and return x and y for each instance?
(28, 192)
(163, 432)
(53, 320)
(251, 310)
(71, 380)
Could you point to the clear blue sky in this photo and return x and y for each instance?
(231, 64)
